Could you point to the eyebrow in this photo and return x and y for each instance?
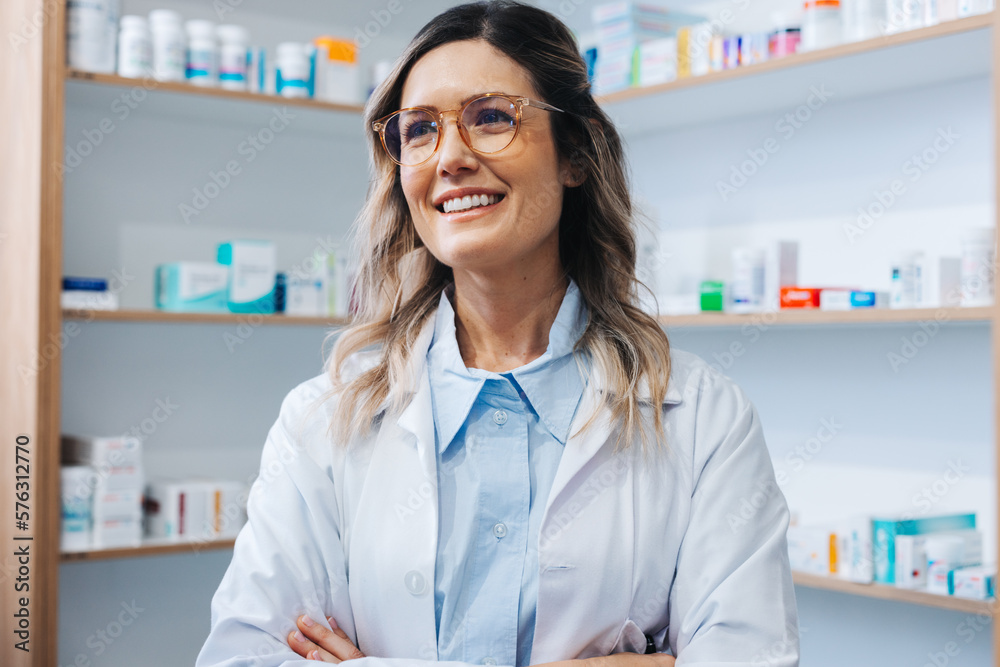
(464, 101)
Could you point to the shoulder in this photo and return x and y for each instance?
(313, 403)
(714, 416)
(696, 384)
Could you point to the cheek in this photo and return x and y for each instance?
(414, 189)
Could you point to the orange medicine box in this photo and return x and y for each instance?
(800, 297)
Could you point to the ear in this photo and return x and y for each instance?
(571, 175)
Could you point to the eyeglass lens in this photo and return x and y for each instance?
(488, 123)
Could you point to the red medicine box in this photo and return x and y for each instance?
(800, 297)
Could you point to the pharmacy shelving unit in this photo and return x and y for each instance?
(36, 85)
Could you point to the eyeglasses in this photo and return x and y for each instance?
(487, 124)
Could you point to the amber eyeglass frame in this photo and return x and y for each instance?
(518, 102)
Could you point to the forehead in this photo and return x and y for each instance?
(448, 75)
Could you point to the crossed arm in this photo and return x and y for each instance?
(313, 641)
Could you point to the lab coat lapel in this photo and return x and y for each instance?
(564, 560)
(581, 447)
(394, 548)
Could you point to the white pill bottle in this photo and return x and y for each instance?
(134, 48)
(233, 41)
(167, 32)
(91, 34)
(202, 53)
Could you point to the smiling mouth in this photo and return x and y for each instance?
(469, 202)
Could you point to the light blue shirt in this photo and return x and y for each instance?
(499, 440)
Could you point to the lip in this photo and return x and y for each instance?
(463, 192)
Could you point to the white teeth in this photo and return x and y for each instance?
(469, 201)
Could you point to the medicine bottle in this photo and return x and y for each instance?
(201, 52)
(167, 34)
(292, 74)
(233, 40)
(336, 70)
(92, 31)
(821, 24)
(978, 266)
(134, 47)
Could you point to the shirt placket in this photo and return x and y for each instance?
(502, 527)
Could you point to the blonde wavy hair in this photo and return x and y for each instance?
(399, 282)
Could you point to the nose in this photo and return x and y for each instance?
(454, 154)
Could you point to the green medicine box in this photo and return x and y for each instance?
(711, 295)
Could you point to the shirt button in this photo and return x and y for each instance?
(500, 418)
(500, 530)
(415, 582)
(489, 661)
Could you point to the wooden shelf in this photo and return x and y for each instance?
(825, 317)
(799, 59)
(949, 51)
(188, 89)
(883, 592)
(201, 318)
(149, 547)
(711, 320)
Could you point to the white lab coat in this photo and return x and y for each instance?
(688, 547)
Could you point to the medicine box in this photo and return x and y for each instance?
(781, 269)
(800, 297)
(118, 505)
(911, 556)
(192, 287)
(975, 582)
(886, 528)
(195, 509)
(98, 451)
(252, 272)
(117, 532)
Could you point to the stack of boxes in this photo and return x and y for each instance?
(939, 554)
(111, 469)
(195, 510)
(245, 279)
(637, 44)
(103, 502)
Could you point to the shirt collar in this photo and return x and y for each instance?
(552, 383)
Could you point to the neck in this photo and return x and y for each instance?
(503, 322)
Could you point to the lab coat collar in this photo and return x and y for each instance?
(552, 383)
(409, 419)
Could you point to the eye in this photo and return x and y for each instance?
(489, 115)
(418, 130)
(494, 117)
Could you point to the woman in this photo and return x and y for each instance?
(505, 462)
